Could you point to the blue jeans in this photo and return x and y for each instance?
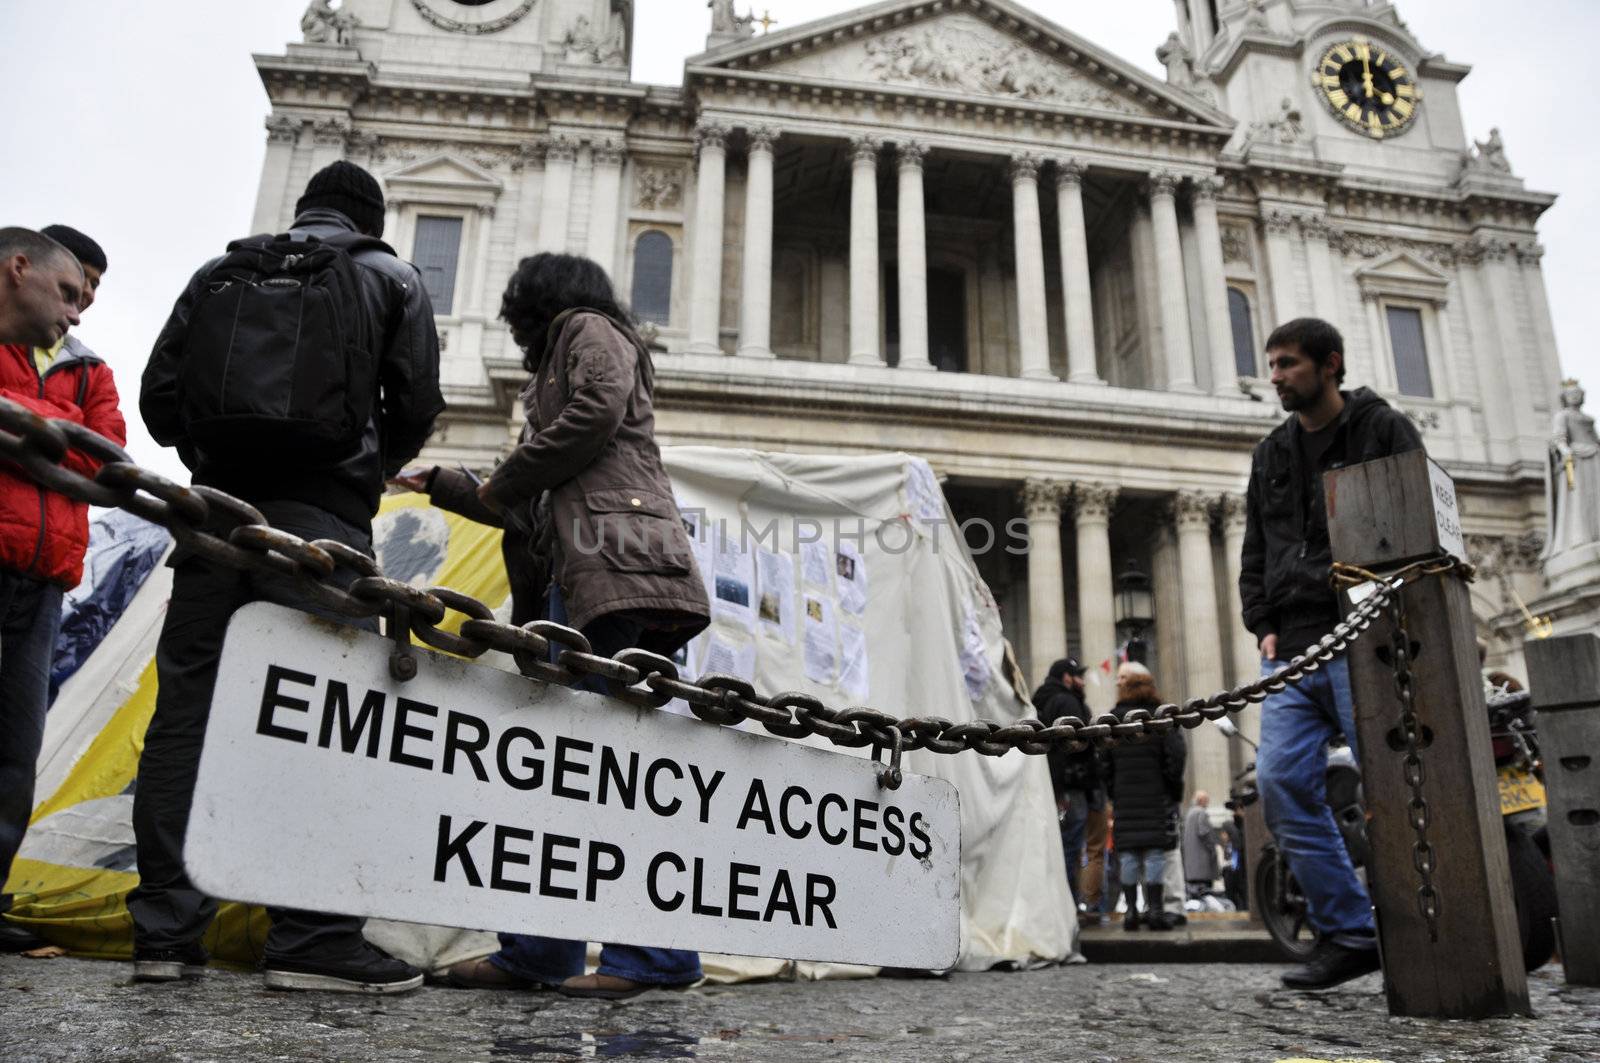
(1073, 824)
(552, 961)
(1153, 862)
(1291, 771)
(30, 616)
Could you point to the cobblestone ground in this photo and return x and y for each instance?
(53, 1010)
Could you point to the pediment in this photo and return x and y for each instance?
(1403, 266)
(444, 172)
(985, 49)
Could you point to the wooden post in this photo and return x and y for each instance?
(1564, 677)
(1381, 515)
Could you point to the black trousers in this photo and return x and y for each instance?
(168, 912)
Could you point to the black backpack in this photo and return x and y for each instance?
(280, 357)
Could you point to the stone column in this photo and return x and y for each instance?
(1202, 653)
(1319, 260)
(1384, 375)
(755, 308)
(1522, 373)
(864, 349)
(1081, 367)
(1280, 266)
(1246, 656)
(705, 302)
(525, 232)
(1163, 188)
(1528, 256)
(1033, 333)
(607, 204)
(1047, 606)
(1214, 288)
(555, 199)
(911, 227)
(282, 134)
(329, 136)
(482, 230)
(1097, 618)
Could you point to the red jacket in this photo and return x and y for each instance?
(43, 534)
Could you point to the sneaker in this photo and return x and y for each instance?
(367, 970)
(1330, 965)
(169, 965)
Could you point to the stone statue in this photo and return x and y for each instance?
(1492, 152)
(321, 24)
(1287, 128)
(1176, 58)
(582, 44)
(1573, 487)
(723, 19)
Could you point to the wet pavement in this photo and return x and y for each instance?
(65, 1009)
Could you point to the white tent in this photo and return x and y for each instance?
(839, 577)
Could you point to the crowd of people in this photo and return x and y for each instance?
(241, 383)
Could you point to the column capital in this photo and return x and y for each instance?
(1042, 498)
(608, 152)
(281, 129)
(1069, 172)
(1024, 167)
(1235, 511)
(1278, 222)
(1529, 254)
(1093, 501)
(910, 153)
(559, 147)
(485, 210)
(710, 133)
(1313, 227)
(331, 131)
(1206, 188)
(1161, 183)
(762, 137)
(1193, 509)
(865, 149)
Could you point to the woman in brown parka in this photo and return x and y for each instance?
(593, 540)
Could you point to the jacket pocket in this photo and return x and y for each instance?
(636, 531)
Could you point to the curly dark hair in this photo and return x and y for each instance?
(545, 285)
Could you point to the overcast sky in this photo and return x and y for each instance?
(139, 122)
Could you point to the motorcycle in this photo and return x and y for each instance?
(1281, 904)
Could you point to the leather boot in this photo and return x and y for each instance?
(1157, 919)
(1130, 896)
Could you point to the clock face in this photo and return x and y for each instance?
(1370, 88)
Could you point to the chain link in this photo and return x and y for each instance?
(231, 532)
(1416, 738)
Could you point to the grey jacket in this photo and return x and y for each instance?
(1200, 842)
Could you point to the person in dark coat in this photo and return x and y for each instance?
(1145, 780)
(1074, 777)
(593, 540)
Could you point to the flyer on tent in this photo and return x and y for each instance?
(820, 661)
(775, 584)
(851, 568)
(816, 563)
(733, 590)
(853, 661)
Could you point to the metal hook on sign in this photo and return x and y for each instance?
(889, 776)
(402, 662)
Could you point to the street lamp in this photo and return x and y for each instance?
(1135, 608)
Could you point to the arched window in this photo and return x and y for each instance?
(652, 277)
(1244, 334)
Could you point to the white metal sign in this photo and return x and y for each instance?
(1446, 512)
(477, 798)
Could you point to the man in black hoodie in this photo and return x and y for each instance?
(1289, 603)
(1074, 776)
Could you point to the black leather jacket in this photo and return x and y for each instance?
(408, 399)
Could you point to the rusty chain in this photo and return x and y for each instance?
(225, 530)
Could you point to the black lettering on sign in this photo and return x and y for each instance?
(820, 892)
(455, 848)
(822, 818)
(783, 814)
(551, 864)
(403, 708)
(919, 831)
(598, 874)
(611, 772)
(664, 904)
(565, 766)
(336, 709)
(782, 897)
(535, 766)
(272, 700)
(698, 905)
(895, 844)
(864, 821)
(659, 807)
(705, 788)
(504, 855)
(737, 889)
(755, 808)
(454, 743)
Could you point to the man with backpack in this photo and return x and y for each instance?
(296, 372)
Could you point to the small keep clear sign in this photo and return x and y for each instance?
(477, 798)
(1446, 512)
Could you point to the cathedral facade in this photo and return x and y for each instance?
(958, 229)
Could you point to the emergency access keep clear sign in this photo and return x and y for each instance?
(473, 797)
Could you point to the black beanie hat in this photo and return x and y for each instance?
(348, 189)
(83, 249)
